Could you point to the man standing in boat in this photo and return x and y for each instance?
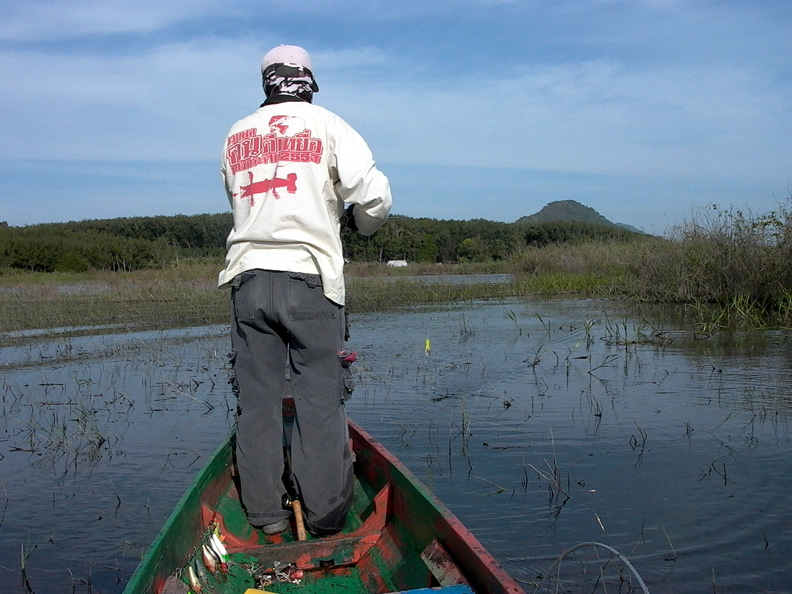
(289, 170)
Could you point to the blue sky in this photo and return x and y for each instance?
(643, 110)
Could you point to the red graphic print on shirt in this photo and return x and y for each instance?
(287, 140)
(262, 187)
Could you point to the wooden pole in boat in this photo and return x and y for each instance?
(298, 519)
(288, 420)
(295, 505)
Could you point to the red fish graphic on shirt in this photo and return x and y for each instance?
(262, 187)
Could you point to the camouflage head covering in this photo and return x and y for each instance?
(287, 79)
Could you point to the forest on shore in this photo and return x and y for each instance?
(126, 244)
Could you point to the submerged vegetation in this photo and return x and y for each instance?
(728, 267)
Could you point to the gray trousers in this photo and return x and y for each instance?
(280, 317)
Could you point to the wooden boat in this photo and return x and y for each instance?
(398, 537)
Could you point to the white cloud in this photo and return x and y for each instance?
(593, 117)
(176, 100)
(158, 104)
(56, 20)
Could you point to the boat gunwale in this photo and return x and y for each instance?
(407, 492)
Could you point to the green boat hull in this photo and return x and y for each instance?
(398, 537)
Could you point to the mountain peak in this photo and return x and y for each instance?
(566, 210)
(570, 210)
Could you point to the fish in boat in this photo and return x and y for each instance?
(398, 537)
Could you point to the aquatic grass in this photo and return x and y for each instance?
(637, 444)
(584, 284)
(186, 295)
(730, 267)
(124, 305)
(730, 264)
(624, 334)
(536, 358)
(73, 422)
(671, 545)
(134, 302)
(555, 486)
(497, 489)
(465, 432)
(513, 317)
(588, 327)
(465, 329)
(5, 503)
(25, 553)
(784, 306)
(61, 439)
(741, 311)
(606, 361)
(67, 424)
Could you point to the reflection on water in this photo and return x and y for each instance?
(541, 424)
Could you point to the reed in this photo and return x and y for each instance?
(731, 268)
(730, 265)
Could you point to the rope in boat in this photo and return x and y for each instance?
(595, 545)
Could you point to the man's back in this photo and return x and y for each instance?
(288, 168)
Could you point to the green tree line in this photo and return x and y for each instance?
(155, 242)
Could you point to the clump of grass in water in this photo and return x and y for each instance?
(513, 317)
(555, 486)
(637, 334)
(63, 439)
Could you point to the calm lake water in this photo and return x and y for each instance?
(542, 425)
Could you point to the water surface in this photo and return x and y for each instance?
(540, 424)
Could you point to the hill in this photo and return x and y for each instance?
(571, 210)
(158, 242)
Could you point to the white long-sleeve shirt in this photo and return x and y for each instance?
(288, 170)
